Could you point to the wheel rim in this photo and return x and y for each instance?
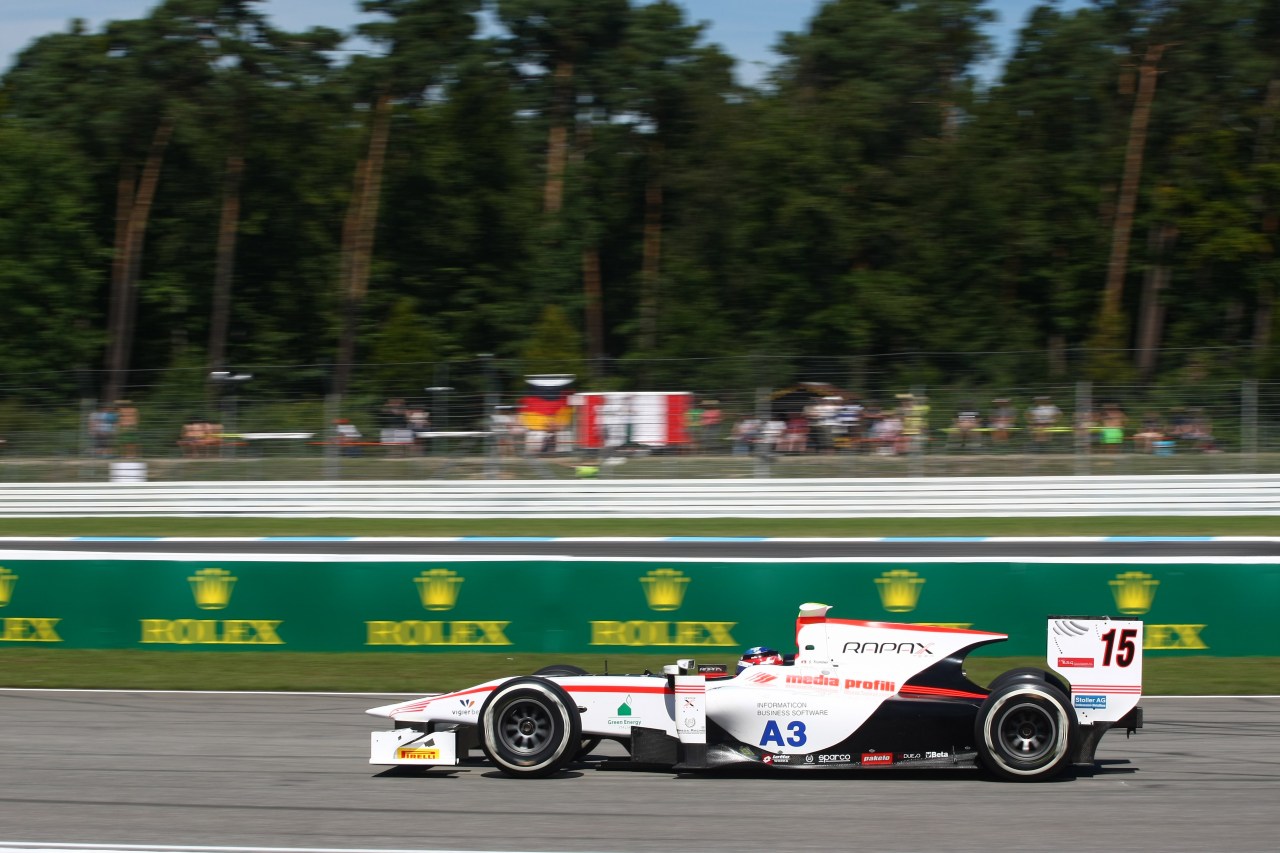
(526, 727)
(1027, 732)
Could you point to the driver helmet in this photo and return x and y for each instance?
(757, 655)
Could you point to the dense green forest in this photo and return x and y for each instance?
(584, 187)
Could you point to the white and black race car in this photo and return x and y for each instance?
(854, 695)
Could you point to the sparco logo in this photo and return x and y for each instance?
(918, 649)
(836, 758)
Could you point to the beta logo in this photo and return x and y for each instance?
(1089, 702)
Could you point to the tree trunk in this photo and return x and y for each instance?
(357, 239)
(558, 138)
(1262, 318)
(1122, 230)
(224, 263)
(651, 269)
(1152, 312)
(595, 309)
(128, 257)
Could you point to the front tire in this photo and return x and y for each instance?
(530, 727)
(589, 744)
(1024, 731)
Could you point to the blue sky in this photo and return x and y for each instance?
(746, 29)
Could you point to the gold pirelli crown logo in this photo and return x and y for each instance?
(8, 580)
(212, 588)
(438, 588)
(1134, 592)
(899, 590)
(664, 588)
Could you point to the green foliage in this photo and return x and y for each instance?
(873, 200)
(553, 345)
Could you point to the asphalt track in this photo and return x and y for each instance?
(289, 771)
(683, 547)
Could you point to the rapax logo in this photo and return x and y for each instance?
(438, 590)
(664, 591)
(23, 629)
(211, 589)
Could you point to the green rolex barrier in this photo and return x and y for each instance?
(575, 606)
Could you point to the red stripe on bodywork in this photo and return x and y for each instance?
(916, 690)
(583, 688)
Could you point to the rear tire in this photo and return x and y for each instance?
(530, 727)
(1024, 731)
(1029, 674)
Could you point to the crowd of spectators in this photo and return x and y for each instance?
(844, 424)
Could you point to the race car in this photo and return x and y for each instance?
(856, 694)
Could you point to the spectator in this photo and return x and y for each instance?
(394, 432)
(770, 435)
(967, 423)
(744, 435)
(1004, 420)
(693, 424)
(347, 437)
(127, 422)
(886, 434)
(712, 420)
(102, 429)
(1150, 432)
(1200, 431)
(506, 430)
(1043, 418)
(871, 417)
(418, 420)
(795, 438)
(1113, 421)
(848, 424)
(915, 422)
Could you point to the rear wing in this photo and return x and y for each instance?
(1101, 658)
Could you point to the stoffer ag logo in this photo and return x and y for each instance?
(899, 590)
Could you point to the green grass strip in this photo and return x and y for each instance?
(374, 672)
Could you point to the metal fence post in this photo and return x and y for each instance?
(1082, 421)
(1249, 424)
(329, 437)
(762, 463)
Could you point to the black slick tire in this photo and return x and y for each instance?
(1024, 731)
(530, 727)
